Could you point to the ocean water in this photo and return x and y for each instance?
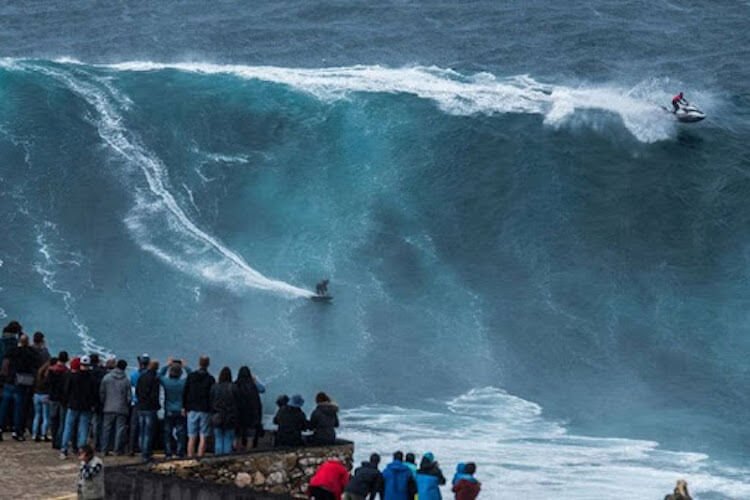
(534, 267)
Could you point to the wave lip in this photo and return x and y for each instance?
(453, 92)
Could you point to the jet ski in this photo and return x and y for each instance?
(687, 113)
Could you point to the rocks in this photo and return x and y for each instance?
(286, 472)
(243, 480)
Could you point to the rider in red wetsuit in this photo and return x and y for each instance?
(677, 100)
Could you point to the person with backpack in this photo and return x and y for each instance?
(465, 486)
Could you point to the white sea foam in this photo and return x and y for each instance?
(453, 92)
(521, 454)
(157, 220)
(53, 261)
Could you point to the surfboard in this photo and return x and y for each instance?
(321, 298)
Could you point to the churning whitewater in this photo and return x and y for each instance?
(535, 267)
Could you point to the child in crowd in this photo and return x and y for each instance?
(90, 475)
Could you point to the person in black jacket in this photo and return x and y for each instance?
(147, 392)
(56, 376)
(367, 480)
(323, 420)
(19, 367)
(249, 407)
(97, 420)
(197, 405)
(81, 399)
(224, 413)
(292, 422)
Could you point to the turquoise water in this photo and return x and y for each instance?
(511, 225)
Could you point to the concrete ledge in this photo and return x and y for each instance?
(256, 475)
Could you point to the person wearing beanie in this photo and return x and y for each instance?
(291, 422)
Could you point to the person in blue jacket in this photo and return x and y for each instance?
(399, 481)
(175, 425)
(429, 478)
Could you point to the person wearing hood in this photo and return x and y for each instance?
(224, 416)
(81, 397)
(115, 397)
(429, 478)
(329, 481)
(56, 376)
(291, 422)
(367, 480)
(250, 409)
(465, 486)
(174, 418)
(398, 481)
(324, 420)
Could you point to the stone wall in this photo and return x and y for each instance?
(276, 473)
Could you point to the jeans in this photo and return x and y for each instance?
(82, 418)
(41, 415)
(118, 423)
(56, 423)
(97, 423)
(147, 424)
(223, 439)
(174, 431)
(17, 394)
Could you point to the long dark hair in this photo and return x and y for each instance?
(244, 376)
(225, 375)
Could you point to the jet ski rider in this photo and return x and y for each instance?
(677, 100)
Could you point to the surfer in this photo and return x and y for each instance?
(677, 100)
(322, 288)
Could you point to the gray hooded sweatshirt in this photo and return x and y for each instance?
(114, 392)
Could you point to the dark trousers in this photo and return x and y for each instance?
(56, 422)
(317, 493)
(113, 429)
(133, 434)
(147, 424)
(174, 434)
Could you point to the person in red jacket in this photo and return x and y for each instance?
(329, 481)
(677, 100)
(464, 485)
